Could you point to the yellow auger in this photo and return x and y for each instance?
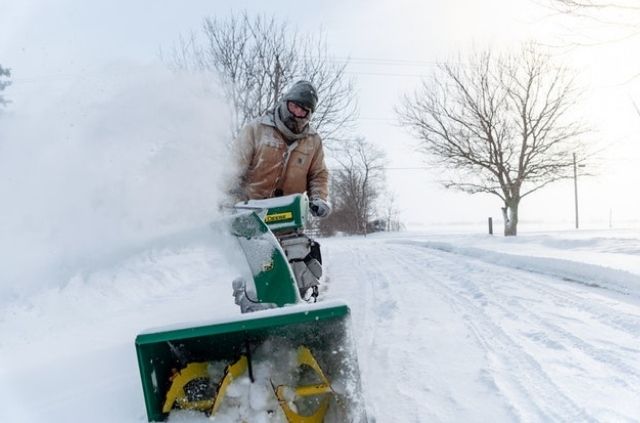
(306, 358)
(178, 396)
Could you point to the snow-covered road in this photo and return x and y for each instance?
(445, 337)
(453, 330)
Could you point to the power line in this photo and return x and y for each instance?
(402, 75)
(384, 61)
(67, 77)
(374, 61)
(414, 167)
(388, 168)
(378, 119)
(61, 77)
(618, 159)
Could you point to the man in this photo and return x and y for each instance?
(281, 154)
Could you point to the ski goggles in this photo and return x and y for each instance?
(297, 110)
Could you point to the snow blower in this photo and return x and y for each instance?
(284, 360)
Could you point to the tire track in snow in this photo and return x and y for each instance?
(627, 322)
(520, 323)
(391, 324)
(611, 354)
(378, 322)
(362, 317)
(562, 336)
(620, 320)
(382, 319)
(539, 398)
(580, 360)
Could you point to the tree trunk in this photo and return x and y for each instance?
(510, 215)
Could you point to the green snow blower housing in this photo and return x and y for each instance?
(195, 367)
(286, 214)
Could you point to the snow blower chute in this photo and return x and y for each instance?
(284, 360)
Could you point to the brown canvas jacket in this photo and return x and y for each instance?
(261, 155)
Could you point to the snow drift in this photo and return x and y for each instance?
(89, 175)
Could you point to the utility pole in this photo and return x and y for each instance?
(575, 186)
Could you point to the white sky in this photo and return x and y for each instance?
(49, 45)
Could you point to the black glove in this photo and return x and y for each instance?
(319, 207)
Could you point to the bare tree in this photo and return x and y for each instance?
(502, 124)
(599, 22)
(635, 106)
(355, 186)
(258, 58)
(391, 214)
(569, 6)
(4, 73)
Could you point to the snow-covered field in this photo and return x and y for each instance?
(542, 327)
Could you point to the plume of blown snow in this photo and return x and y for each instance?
(104, 167)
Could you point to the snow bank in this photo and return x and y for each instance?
(600, 276)
(89, 175)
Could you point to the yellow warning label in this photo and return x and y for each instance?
(278, 217)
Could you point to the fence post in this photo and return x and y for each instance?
(490, 226)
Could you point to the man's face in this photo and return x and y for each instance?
(296, 110)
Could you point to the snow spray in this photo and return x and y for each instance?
(112, 162)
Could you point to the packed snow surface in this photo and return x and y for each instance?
(542, 327)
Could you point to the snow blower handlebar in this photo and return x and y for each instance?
(281, 214)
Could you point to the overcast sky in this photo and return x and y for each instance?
(49, 45)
